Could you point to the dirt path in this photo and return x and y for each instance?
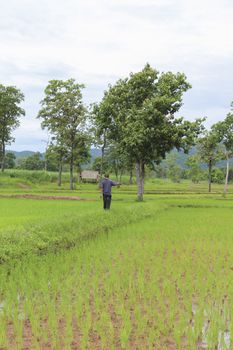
(43, 197)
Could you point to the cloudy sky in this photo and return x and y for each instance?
(98, 42)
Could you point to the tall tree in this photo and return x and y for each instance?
(224, 131)
(63, 114)
(10, 112)
(117, 161)
(33, 162)
(138, 113)
(97, 165)
(102, 122)
(10, 160)
(174, 171)
(82, 151)
(57, 155)
(209, 152)
(194, 172)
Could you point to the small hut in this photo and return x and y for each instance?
(89, 176)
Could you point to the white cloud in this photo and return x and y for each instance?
(99, 42)
(29, 136)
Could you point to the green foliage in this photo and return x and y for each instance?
(26, 177)
(217, 176)
(142, 109)
(224, 131)
(10, 160)
(64, 114)
(52, 156)
(208, 148)
(138, 114)
(10, 112)
(230, 178)
(210, 151)
(160, 171)
(117, 160)
(98, 166)
(174, 171)
(38, 177)
(194, 172)
(33, 162)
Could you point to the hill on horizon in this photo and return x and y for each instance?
(95, 152)
(181, 157)
(21, 154)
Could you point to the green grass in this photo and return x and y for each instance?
(24, 181)
(17, 212)
(151, 275)
(39, 226)
(163, 282)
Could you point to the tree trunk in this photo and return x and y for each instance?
(131, 177)
(72, 170)
(60, 173)
(45, 164)
(121, 173)
(71, 176)
(140, 174)
(209, 175)
(79, 173)
(102, 157)
(3, 156)
(227, 174)
(143, 176)
(116, 173)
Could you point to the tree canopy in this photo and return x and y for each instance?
(63, 114)
(224, 133)
(209, 152)
(138, 113)
(10, 112)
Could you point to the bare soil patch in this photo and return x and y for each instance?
(24, 186)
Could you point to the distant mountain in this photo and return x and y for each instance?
(95, 152)
(181, 157)
(22, 154)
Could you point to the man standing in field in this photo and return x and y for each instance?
(106, 188)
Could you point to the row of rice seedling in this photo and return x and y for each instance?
(163, 283)
(64, 225)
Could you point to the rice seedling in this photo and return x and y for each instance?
(160, 278)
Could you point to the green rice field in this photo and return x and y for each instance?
(151, 275)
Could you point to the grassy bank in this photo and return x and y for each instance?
(44, 226)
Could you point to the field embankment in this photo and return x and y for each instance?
(66, 228)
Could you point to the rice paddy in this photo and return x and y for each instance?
(152, 275)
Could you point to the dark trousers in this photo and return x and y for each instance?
(107, 200)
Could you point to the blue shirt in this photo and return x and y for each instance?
(106, 185)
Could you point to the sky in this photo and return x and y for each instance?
(98, 42)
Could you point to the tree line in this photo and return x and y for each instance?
(135, 123)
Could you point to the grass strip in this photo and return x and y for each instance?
(64, 233)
